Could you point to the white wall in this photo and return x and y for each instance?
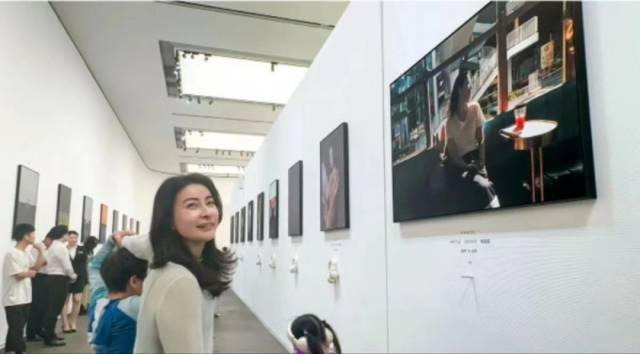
(559, 278)
(56, 121)
(338, 88)
(225, 188)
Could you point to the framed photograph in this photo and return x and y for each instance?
(237, 228)
(87, 212)
(495, 116)
(334, 180)
(260, 217)
(137, 227)
(125, 222)
(295, 199)
(243, 222)
(273, 210)
(250, 221)
(232, 227)
(114, 221)
(24, 210)
(104, 216)
(63, 205)
(132, 224)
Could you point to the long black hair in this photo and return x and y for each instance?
(214, 270)
(314, 329)
(90, 244)
(460, 81)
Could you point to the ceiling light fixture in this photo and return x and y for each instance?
(239, 79)
(223, 141)
(215, 170)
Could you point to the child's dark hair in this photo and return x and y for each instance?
(308, 333)
(57, 232)
(120, 267)
(90, 244)
(22, 230)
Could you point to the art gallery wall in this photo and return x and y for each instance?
(343, 85)
(225, 188)
(56, 121)
(558, 278)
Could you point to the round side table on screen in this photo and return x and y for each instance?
(535, 135)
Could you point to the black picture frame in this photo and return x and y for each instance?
(295, 199)
(104, 219)
(63, 205)
(273, 210)
(231, 229)
(250, 221)
(334, 180)
(87, 213)
(114, 221)
(26, 200)
(237, 228)
(539, 61)
(243, 224)
(260, 217)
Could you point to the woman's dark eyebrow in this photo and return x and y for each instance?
(196, 199)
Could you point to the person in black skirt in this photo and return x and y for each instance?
(79, 257)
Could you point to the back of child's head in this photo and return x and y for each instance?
(311, 335)
(120, 267)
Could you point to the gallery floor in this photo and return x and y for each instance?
(237, 330)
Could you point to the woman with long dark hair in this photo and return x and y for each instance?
(465, 148)
(187, 270)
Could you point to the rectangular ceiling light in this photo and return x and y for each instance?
(222, 141)
(237, 79)
(215, 170)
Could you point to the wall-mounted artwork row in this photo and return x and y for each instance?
(273, 209)
(334, 180)
(87, 211)
(260, 217)
(104, 217)
(114, 221)
(63, 205)
(495, 116)
(295, 199)
(24, 211)
(250, 221)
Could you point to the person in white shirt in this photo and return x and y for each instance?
(19, 268)
(465, 149)
(39, 296)
(59, 274)
(187, 270)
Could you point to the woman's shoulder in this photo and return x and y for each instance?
(173, 272)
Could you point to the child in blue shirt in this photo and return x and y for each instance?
(116, 278)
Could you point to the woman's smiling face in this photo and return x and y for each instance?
(195, 213)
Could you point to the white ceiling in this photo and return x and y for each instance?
(119, 42)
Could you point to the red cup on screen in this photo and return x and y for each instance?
(520, 113)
